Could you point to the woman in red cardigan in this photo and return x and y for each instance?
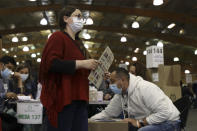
(64, 74)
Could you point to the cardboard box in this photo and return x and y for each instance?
(173, 92)
(108, 126)
(167, 78)
(167, 75)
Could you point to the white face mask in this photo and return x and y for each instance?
(77, 24)
(24, 77)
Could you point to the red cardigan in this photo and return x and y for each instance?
(59, 90)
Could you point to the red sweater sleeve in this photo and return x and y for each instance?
(54, 49)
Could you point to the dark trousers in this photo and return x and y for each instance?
(73, 117)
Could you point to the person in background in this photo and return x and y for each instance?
(194, 88)
(138, 69)
(7, 65)
(63, 75)
(23, 83)
(34, 70)
(107, 92)
(144, 105)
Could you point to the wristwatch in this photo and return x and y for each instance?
(141, 123)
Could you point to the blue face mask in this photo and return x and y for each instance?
(6, 73)
(115, 89)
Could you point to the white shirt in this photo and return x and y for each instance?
(145, 100)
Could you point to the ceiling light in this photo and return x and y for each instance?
(89, 21)
(160, 44)
(182, 31)
(12, 49)
(157, 2)
(32, 0)
(12, 26)
(33, 55)
(128, 57)
(25, 48)
(123, 39)
(6, 51)
(136, 50)
(50, 12)
(125, 25)
(24, 39)
(3, 49)
(15, 56)
(38, 60)
(176, 59)
(187, 72)
(33, 47)
(86, 46)
(195, 52)
(145, 52)
(49, 35)
(171, 26)
(163, 31)
(86, 36)
(15, 39)
(127, 63)
(134, 58)
(38, 53)
(147, 43)
(135, 24)
(121, 61)
(17, 63)
(43, 21)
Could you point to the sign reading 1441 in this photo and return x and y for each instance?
(154, 56)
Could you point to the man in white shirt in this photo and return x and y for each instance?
(143, 104)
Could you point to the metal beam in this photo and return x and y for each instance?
(27, 29)
(16, 44)
(148, 34)
(170, 16)
(137, 32)
(29, 9)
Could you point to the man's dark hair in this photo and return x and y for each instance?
(8, 59)
(66, 11)
(121, 72)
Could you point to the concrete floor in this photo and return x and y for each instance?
(192, 121)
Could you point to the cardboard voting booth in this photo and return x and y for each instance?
(167, 78)
(29, 112)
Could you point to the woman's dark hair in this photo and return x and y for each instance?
(140, 70)
(66, 11)
(22, 66)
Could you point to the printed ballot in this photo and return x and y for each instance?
(106, 59)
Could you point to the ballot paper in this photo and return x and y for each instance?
(24, 97)
(106, 59)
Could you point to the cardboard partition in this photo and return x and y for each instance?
(107, 126)
(167, 78)
(173, 92)
(165, 75)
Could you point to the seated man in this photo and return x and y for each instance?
(7, 65)
(143, 104)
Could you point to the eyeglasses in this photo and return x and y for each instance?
(80, 17)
